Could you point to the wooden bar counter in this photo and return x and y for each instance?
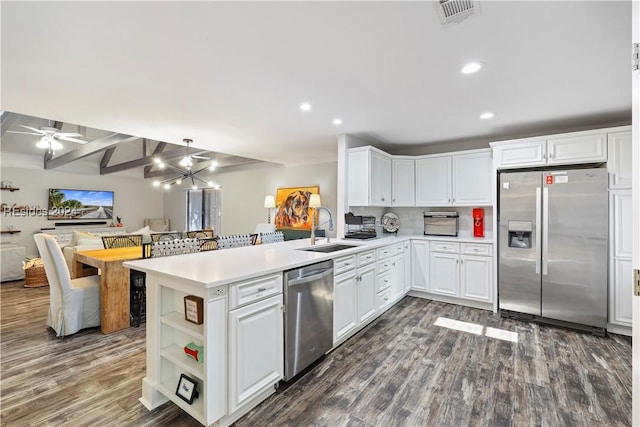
(114, 283)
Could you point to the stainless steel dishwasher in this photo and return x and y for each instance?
(308, 315)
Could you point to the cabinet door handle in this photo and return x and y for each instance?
(393, 264)
(262, 289)
(544, 157)
(382, 199)
(393, 200)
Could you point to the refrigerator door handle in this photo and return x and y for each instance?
(545, 229)
(538, 230)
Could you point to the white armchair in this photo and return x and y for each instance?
(73, 304)
(157, 224)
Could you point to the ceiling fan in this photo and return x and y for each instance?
(50, 136)
(54, 133)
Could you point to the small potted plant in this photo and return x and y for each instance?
(119, 218)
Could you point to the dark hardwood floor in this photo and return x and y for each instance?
(400, 371)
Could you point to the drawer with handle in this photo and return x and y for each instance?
(383, 266)
(344, 264)
(449, 247)
(249, 291)
(383, 281)
(367, 257)
(476, 249)
(385, 252)
(384, 298)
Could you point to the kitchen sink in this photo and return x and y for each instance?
(328, 248)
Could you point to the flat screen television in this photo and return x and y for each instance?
(79, 204)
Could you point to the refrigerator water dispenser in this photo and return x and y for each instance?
(520, 234)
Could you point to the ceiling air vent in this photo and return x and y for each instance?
(456, 11)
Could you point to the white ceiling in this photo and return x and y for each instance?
(231, 75)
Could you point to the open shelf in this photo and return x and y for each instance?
(176, 355)
(9, 231)
(12, 189)
(176, 320)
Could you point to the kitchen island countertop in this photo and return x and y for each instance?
(225, 266)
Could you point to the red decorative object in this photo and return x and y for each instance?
(478, 222)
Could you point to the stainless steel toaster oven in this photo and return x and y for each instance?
(440, 223)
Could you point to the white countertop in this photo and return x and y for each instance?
(221, 267)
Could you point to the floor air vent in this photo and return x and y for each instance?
(456, 11)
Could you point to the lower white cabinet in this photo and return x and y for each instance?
(366, 292)
(444, 273)
(420, 265)
(460, 270)
(256, 350)
(345, 305)
(620, 258)
(475, 277)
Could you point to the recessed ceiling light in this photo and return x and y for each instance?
(487, 115)
(305, 106)
(471, 67)
(337, 122)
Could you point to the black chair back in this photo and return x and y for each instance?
(161, 237)
(122, 241)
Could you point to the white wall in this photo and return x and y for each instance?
(243, 192)
(134, 199)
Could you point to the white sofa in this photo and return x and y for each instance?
(12, 257)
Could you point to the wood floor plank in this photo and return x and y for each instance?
(402, 370)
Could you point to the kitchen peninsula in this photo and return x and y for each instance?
(241, 335)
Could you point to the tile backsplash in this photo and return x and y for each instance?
(412, 220)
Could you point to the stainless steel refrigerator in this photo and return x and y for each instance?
(553, 232)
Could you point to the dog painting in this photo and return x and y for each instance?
(293, 207)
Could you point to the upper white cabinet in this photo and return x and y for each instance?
(619, 163)
(564, 149)
(369, 177)
(521, 154)
(433, 181)
(577, 149)
(472, 178)
(454, 180)
(403, 180)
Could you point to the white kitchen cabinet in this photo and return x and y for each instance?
(403, 181)
(443, 274)
(621, 310)
(461, 270)
(256, 350)
(167, 338)
(475, 277)
(369, 177)
(620, 258)
(564, 149)
(366, 292)
(577, 149)
(521, 154)
(454, 180)
(345, 305)
(433, 181)
(397, 276)
(420, 265)
(407, 266)
(472, 179)
(619, 162)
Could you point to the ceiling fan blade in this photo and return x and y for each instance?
(70, 134)
(201, 157)
(24, 133)
(38, 131)
(65, 138)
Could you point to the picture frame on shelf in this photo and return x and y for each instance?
(187, 389)
(193, 309)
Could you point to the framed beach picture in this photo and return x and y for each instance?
(292, 207)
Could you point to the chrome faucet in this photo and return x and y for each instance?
(313, 234)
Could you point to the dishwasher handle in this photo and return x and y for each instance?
(306, 279)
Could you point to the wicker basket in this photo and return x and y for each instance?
(34, 274)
